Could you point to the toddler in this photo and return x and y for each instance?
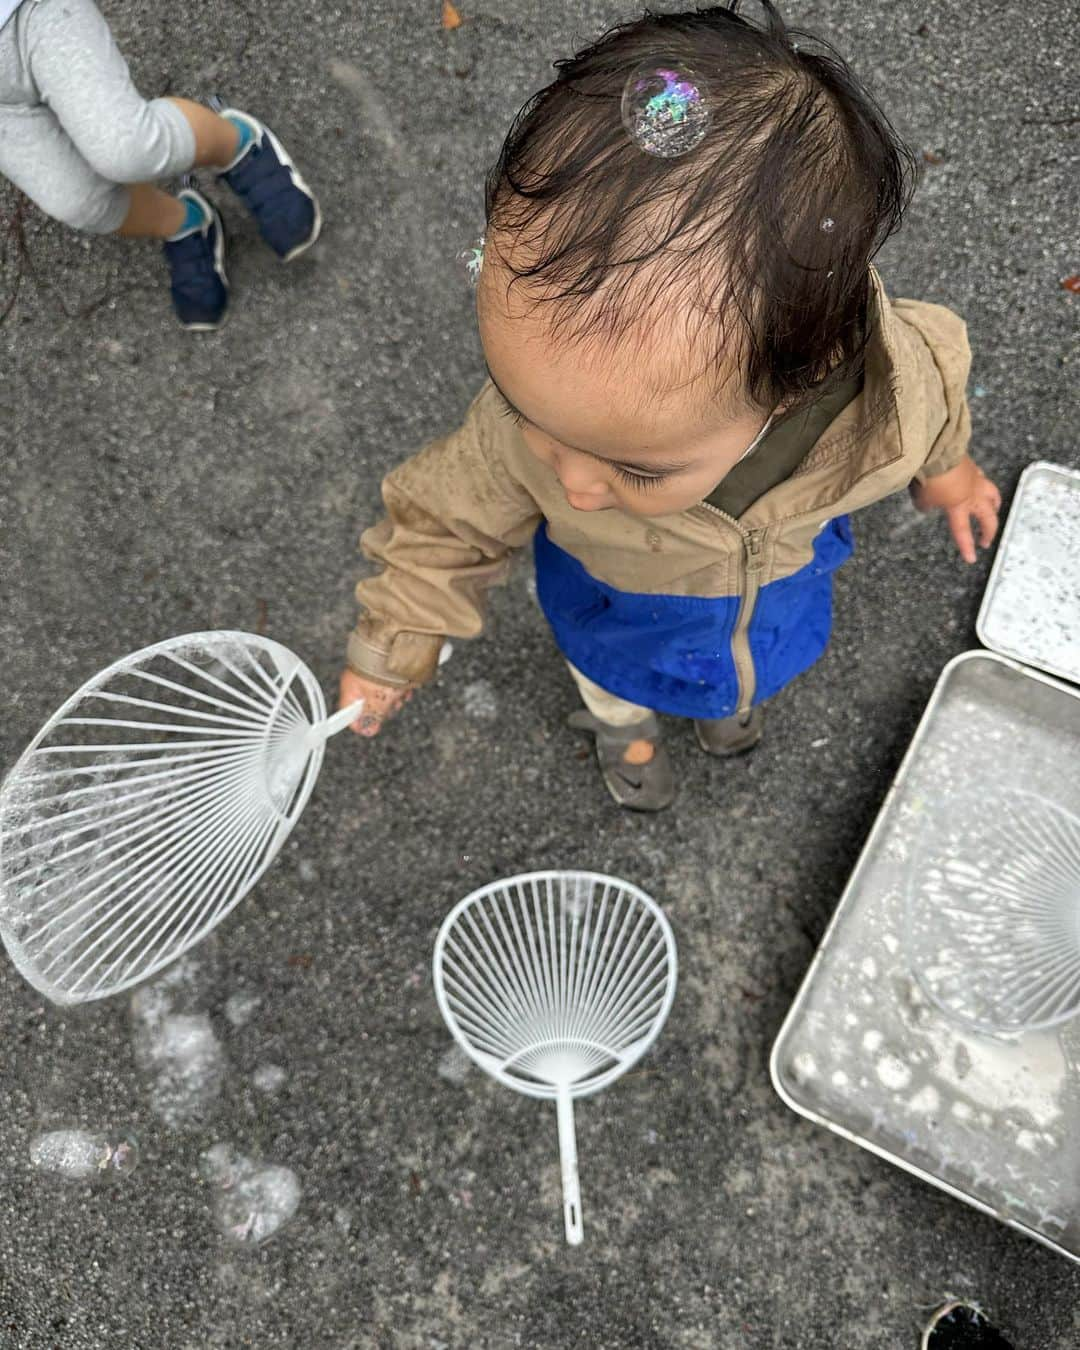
(80, 141)
(695, 375)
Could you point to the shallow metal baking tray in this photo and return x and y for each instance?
(1031, 608)
(995, 1121)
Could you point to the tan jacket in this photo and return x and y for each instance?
(458, 508)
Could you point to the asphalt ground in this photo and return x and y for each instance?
(155, 482)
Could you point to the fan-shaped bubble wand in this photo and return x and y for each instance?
(993, 911)
(149, 805)
(556, 983)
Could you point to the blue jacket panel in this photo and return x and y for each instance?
(672, 653)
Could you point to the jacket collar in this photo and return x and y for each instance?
(863, 439)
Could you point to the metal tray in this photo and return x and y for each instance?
(1031, 608)
(995, 1121)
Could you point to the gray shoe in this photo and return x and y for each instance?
(727, 736)
(962, 1326)
(639, 787)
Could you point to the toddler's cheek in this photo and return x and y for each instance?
(536, 444)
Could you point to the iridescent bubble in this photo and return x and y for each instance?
(664, 110)
(83, 1155)
(123, 1155)
(472, 259)
(252, 1199)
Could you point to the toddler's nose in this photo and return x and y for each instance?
(580, 475)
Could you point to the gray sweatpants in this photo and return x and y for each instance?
(73, 127)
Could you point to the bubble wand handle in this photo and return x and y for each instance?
(332, 725)
(575, 1231)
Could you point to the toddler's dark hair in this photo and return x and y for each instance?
(736, 224)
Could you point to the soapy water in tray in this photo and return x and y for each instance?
(997, 1117)
(1033, 601)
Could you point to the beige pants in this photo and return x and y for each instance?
(609, 708)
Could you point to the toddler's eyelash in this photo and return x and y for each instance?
(638, 480)
(512, 413)
(627, 476)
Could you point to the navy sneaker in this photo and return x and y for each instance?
(962, 1326)
(268, 183)
(200, 288)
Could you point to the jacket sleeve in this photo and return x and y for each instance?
(454, 512)
(941, 339)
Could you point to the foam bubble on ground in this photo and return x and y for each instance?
(80, 1155)
(454, 1066)
(240, 1007)
(269, 1077)
(189, 1064)
(252, 1199)
(480, 701)
(178, 1049)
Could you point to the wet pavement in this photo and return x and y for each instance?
(316, 1164)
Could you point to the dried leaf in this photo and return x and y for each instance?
(932, 157)
(450, 16)
(1072, 283)
(304, 960)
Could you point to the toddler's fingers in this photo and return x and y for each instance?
(360, 724)
(988, 523)
(960, 526)
(367, 724)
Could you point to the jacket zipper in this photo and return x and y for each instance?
(753, 562)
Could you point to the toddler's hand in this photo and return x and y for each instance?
(962, 493)
(381, 701)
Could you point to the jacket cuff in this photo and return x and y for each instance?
(406, 659)
(943, 463)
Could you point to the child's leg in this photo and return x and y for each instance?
(217, 139)
(633, 763)
(616, 712)
(152, 214)
(80, 73)
(39, 158)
